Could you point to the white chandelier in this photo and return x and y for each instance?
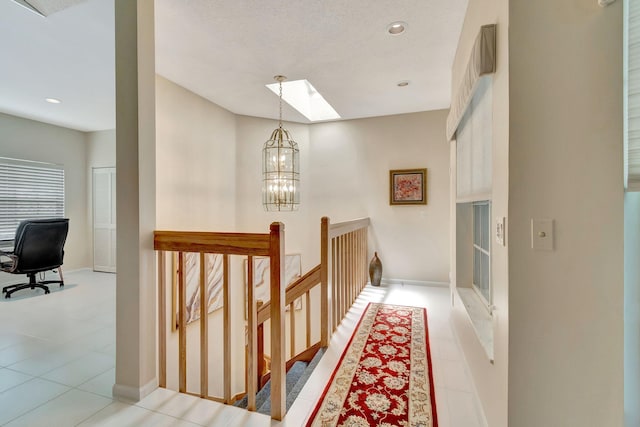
(280, 168)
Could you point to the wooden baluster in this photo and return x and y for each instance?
(292, 329)
(182, 325)
(204, 327)
(362, 260)
(334, 284)
(343, 269)
(260, 352)
(352, 269)
(278, 348)
(226, 335)
(252, 344)
(307, 304)
(324, 283)
(162, 320)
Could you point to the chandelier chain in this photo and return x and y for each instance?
(280, 117)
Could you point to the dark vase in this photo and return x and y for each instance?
(375, 270)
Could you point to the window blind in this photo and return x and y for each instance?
(29, 190)
(632, 157)
(474, 146)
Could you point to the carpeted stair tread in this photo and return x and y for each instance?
(262, 397)
(293, 394)
(293, 376)
(294, 390)
(296, 379)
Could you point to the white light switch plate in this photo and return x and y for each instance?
(542, 234)
(500, 230)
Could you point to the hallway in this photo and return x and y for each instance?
(57, 359)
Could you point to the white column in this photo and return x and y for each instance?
(135, 183)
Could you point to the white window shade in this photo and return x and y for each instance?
(481, 62)
(632, 155)
(473, 146)
(29, 190)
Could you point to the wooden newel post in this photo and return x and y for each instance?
(324, 282)
(278, 372)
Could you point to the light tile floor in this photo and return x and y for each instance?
(57, 363)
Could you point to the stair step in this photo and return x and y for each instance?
(294, 390)
(293, 394)
(262, 397)
(296, 378)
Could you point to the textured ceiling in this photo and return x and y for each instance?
(48, 7)
(227, 50)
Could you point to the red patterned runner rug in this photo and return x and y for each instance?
(384, 375)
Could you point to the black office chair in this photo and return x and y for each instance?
(38, 247)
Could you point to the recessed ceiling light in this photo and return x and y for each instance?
(403, 83)
(396, 28)
(53, 100)
(302, 96)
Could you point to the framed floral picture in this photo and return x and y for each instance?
(408, 187)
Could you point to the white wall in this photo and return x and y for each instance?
(302, 227)
(350, 178)
(490, 379)
(632, 309)
(196, 161)
(345, 175)
(31, 140)
(565, 163)
(101, 153)
(101, 149)
(557, 154)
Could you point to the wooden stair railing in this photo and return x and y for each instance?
(343, 260)
(341, 275)
(299, 288)
(244, 244)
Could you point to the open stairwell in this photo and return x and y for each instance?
(313, 305)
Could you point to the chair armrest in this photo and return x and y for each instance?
(10, 265)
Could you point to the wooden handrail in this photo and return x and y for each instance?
(293, 292)
(254, 244)
(341, 228)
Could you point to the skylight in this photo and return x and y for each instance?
(302, 96)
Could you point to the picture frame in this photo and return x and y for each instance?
(408, 187)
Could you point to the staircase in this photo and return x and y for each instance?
(296, 378)
(271, 387)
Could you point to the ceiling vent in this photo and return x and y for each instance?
(47, 7)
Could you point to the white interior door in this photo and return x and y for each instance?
(104, 219)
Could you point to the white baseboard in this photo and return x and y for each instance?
(76, 270)
(135, 394)
(391, 281)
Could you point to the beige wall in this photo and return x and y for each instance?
(196, 161)
(345, 175)
(557, 154)
(490, 379)
(349, 178)
(136, 200)
(565, 162)
(632, 309)
(101, 153)
(37, 141)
